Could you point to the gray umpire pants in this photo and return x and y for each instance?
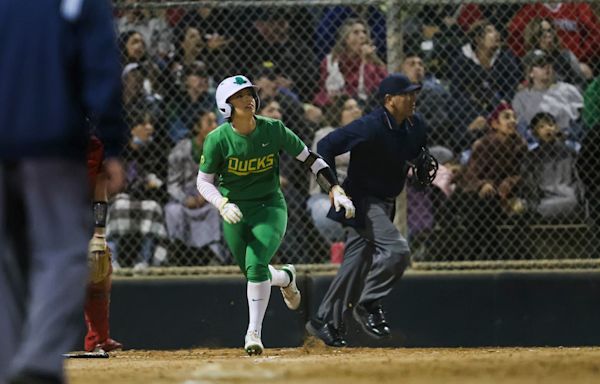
(374, 260)
(45, 225)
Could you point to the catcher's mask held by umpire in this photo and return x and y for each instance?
(228, 88)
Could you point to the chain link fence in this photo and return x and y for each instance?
(511, 95)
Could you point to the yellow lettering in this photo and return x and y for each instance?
(233, 163)
(261, 162)
(250, 166)
(243, 166)
(247, 167)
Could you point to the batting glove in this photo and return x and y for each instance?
(340, 200)
(230, 212)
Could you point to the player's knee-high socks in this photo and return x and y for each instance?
(258, 300)
(279, 278)
(97, 302)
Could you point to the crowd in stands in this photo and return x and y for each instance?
(510, 95)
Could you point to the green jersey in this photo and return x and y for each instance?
(248, 166)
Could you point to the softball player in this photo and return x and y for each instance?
(97, 298)
(244, 153)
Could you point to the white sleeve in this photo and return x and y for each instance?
(206, 187)
(316, 166)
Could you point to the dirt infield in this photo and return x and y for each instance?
(317, 364)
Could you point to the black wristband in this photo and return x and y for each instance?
(100, 209)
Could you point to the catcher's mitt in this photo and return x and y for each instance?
(424, 168)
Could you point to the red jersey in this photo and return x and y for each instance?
(577, 27)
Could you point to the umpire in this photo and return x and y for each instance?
(381, 144)
(58, 63)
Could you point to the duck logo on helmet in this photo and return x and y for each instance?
(240, 80)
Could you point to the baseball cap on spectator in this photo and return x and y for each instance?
(503, 106)
(129, 68)
(442, 154)
(536, 58)
(265, 69)
(396, 84)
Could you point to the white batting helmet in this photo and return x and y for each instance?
(231, 86)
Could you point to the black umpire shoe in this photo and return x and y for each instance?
(327, 332)
(372, 322)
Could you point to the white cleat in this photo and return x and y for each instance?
(291, 294)
(253, 346)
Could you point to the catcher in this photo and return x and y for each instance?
(97, 298)
(383, 146)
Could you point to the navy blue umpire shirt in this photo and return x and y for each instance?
(379, 150)
(59, 64)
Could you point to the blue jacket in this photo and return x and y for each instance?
(379, 150)
(59, 64)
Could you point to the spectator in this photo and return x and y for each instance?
(498, 14)
(435, 33)
(154, 30)
(271, 108)
(219, 28)
(352, 67)
(133, 47)
(433, 102)
(576, 24)
(591, 104)
(545, 94)
(588, 165)
(486, 190)
(265, 77)
(187, 54)
(430, 208)
(135, 93)
(188, 217)
(484, 59)
(340, 113)
(482, 75)
(137, 210)
(274, 41)
(193, 97)
(540, 34)
(555, 189)
(334, 16)
(133, 51)
(219, 25)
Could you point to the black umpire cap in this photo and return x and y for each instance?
(396, 84)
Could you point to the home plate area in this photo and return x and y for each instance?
(314, 363)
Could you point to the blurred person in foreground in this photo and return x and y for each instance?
(381, 145)
(62, 66)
